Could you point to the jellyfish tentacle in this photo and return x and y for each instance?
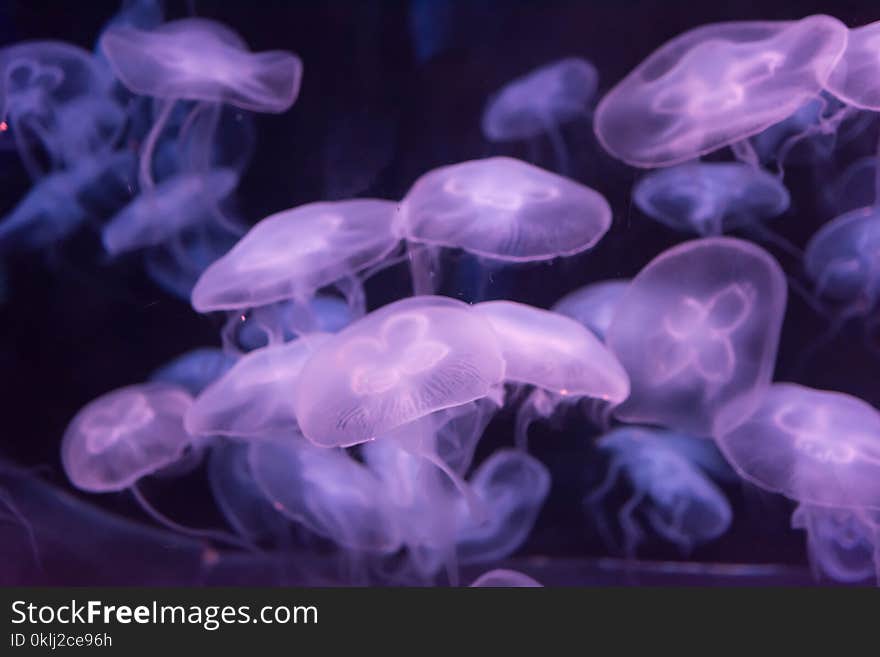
(145, 172)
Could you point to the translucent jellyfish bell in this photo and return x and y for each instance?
(817, 447)
(854, 78)
(200, 59)
(292, 254)
(711, 198)
(254, 397)
(554, 352)
(503, 209)
(593, 305)
(502, 578)
(124, 435)
(698, 327)
(843, 544)
(536, 102)
(161, 213)
(326, 491)
(394, 366)
(675, 498)
(843, 259)
(195, 370)
(716, 85)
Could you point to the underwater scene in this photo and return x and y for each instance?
(491, 293)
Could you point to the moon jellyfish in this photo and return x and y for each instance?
(240, 499)
(854, 188)
(164, 211)
(502, 210)
(502, 578)
(124, 435)
(716, 85)
(254, 398)
(38, 80)
(57, 205)
(853, 79)
(843, 259)
(513, 486)
(326, 491)
(292, 254)
(394, 366)
(697, 327)
(540, 102)
(711, 198)
(555, 354)
(201, 60)
(807, 136)
(195, 370)
(843, 544)
(672, 496)
(817, 447)
(593, 305)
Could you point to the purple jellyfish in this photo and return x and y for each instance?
(843, 544)
(715, 86)
(675, 498)
(540, 102)
(501, 210)
(201, 60)
(711, 198)
(816, 447)
(501, 578)
(697, 327)
(593, 305)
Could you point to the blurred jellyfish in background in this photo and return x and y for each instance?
(201, 60)
(843, 260)
(715, 86)
(711, 198)
(696, 328)
(852, 188)
(817, 447)
(593, 305)
(669, 494)
(57, 104)
(497, 209)
(540, 102)
(195, 370)
(556, 355)
(843, 545)
(503, 578)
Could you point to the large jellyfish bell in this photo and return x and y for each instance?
(593, 305)
(394, 366)
(814, 446)
(698, 327)
(716, 85)
(854, 78)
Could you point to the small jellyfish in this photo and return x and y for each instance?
(159, 214)
(854, 78)
(843, 544)
(715, 86)
(292, 254)
(675, 498)
(555, 354)
(814, 446)
(842, 260)
(398, 364)
(593, 305)
(513, 486)
(540, 102)
(125, 435)
(239, 497)
(698, 327)
(326, 491)
(202, 60)
(254, 397)
(711, 198)
(501, 210)
(194, 370)
(57, 205)
(38, 81)
(501, 578)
